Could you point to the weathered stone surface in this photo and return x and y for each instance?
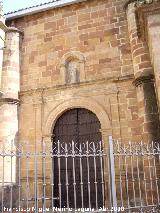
(83, 55)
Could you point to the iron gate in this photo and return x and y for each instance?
(78, 175)
(135, 176)
(76, 164)
(119, 178)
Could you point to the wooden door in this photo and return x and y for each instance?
(78, 125)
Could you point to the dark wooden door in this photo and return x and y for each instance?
(78, 125)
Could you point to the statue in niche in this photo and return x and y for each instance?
(72, 71)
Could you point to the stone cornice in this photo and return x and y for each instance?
(143, 79)
(139, 3)
(82, 84)
(14, 29)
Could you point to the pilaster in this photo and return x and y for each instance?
(9, 100)
(144, 79)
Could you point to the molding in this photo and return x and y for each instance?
(40, 8)
(78, 85)
(9, 101)
(71, 55)
(81, 102)
(15, 30)
(139, 3)
(143, 79)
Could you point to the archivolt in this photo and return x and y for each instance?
(87, 103)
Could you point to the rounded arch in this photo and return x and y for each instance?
(72, 56)
(86, 103)
(76, 71)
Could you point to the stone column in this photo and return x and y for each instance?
(144, 80)
(3, 29)
(9, 100)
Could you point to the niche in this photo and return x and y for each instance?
(72, 67)
(72, 74)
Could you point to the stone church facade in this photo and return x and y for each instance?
(99, 55)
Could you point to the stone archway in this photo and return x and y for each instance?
(89, 104)
(82, 102)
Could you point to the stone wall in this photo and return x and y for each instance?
(97, 29)
(94, 34)
(144, 75)
(83, 55)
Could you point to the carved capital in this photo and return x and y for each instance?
(9, 101)
(143, 79)
(14, 29)
(47, 138)
(106, 132)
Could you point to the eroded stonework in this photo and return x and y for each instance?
(84, 55)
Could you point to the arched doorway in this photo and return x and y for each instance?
(77, 162)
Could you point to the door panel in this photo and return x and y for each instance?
(78, 125)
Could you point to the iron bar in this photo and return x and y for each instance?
(102, 172)
(88, 175)
(59, 174)
(67, 184)
(155, 171)
(3, 157)
(144, 173)
(74, 178)
(11, 184)
(27, 174)
(44, 176)
(19, 155)
(126, 176)
(136, 166)
(36, 182)
(120, 176)
(109, 175)
(52, 180)
(132, 174)
(139, 180)
(81, 174)
(112, 172)
(150, 176)
(95, 175)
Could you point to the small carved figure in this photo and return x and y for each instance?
(72, 72)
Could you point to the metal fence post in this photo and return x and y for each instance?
(112, 175)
